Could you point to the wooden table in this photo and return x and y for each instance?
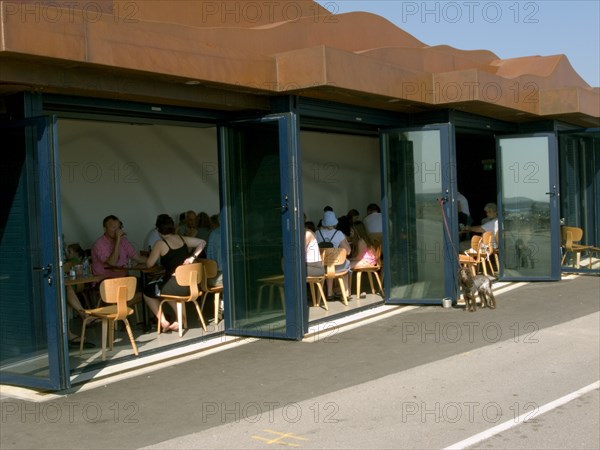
(81, 281)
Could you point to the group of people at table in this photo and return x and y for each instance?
(113, 255)
(350, 232)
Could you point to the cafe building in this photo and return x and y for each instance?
(263, 112)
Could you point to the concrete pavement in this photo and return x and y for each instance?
(426, 378)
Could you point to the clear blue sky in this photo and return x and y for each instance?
(508, 28)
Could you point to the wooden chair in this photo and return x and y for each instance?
(570, 237)
(185, 275)
(472, 258)
(317, 281)
(210, 271)
(116, 292)
(490, 252)
(370, 271)
(333, 257)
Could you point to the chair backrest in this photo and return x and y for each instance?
(476, 241)
(210, 267)
(486, 240)
(209, 270)
(190, 275)
(119, 291)
(569, 235)
(331, 258)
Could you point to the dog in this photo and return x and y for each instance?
(473, 286)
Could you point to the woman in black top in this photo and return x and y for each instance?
(173, 250)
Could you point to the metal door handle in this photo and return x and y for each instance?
(47, 269)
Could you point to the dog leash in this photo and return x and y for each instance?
(441, 202)
(453, 248)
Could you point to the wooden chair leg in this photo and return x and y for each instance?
(313, 293)
(217, 298)
(379, 282)
(131, 339)
(343, 288)
(159, 326)
(322, 293)
(358, 280)
(104, 336)
(370, 275)
(82, 338)
(180, 318)
(200, 316)
(111, 332)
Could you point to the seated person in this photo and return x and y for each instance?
(189, 227)
(353, 215)
(213, 251)
(344, 225)
(112, 251)
(373, 220)
(153, 235)
(314, 264)
(328, 233)
(173, 251)
(74, 303)
(204, 226)
(74, 254)
(490, 224)
(363, 250)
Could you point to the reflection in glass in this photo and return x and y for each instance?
(24, 342)
(415, 233)
(257, 291)
(525, 180)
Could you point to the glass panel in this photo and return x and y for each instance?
(580, 188)
(413, 180)
(253, 189)
(525, 244)
(28, 302)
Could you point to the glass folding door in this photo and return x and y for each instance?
(33, 350)
(528, 195)
(264, 286)
(420, 261)
(579, 153)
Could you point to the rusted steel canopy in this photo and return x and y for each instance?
(235, 54)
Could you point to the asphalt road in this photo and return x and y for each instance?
(426, 378)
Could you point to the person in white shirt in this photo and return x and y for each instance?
(153, 235)
(463, 205)
(328, 233)
(373, 220)
(491, 211)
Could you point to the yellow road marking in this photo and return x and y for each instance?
(279, 439)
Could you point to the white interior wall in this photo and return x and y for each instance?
(134, 172)
(340, 171)
(138, 171)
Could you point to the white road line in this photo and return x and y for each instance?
(522, 418)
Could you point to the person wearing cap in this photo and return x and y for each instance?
(328, 233)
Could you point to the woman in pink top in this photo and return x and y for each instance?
(363, 251)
